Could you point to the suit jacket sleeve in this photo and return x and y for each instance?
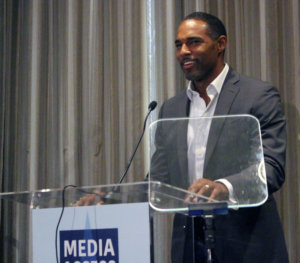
(267, 108)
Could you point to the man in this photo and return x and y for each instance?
(249, 234)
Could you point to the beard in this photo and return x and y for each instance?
(199, 72)
(197, 76)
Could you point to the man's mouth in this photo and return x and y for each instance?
(188, 64)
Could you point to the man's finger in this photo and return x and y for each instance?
(219, 193)
(205, 190)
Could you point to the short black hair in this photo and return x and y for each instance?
(216, 26)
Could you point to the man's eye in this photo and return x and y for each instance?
(177, 45)
(193, 42)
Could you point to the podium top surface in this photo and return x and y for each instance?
(160, 196)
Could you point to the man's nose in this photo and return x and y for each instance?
(184, 50)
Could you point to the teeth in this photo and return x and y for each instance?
(188, 63)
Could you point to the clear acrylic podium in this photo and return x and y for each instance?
(204, 153)
(18, 238)
(233, 153)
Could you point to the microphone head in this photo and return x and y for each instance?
(152, 105)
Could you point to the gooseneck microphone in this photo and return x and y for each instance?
(151, 107)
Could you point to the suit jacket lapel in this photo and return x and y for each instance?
(182, 109)
(228, 93)
(226, 98)
(182, 126)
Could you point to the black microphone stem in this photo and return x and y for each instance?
(131, 158)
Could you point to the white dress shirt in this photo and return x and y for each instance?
(198, 129)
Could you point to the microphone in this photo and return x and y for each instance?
(151, 107)
(108, 196)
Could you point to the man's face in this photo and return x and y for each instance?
(197, 53)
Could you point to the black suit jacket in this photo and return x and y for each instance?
(247, 235)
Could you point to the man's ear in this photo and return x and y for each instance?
(221, 43)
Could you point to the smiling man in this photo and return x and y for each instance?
(250, 234)
(200, 52)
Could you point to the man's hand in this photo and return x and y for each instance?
(94, 198)
(211, 189)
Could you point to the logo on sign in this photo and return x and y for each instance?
(89, 246)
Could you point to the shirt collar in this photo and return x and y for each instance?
(217, 83)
